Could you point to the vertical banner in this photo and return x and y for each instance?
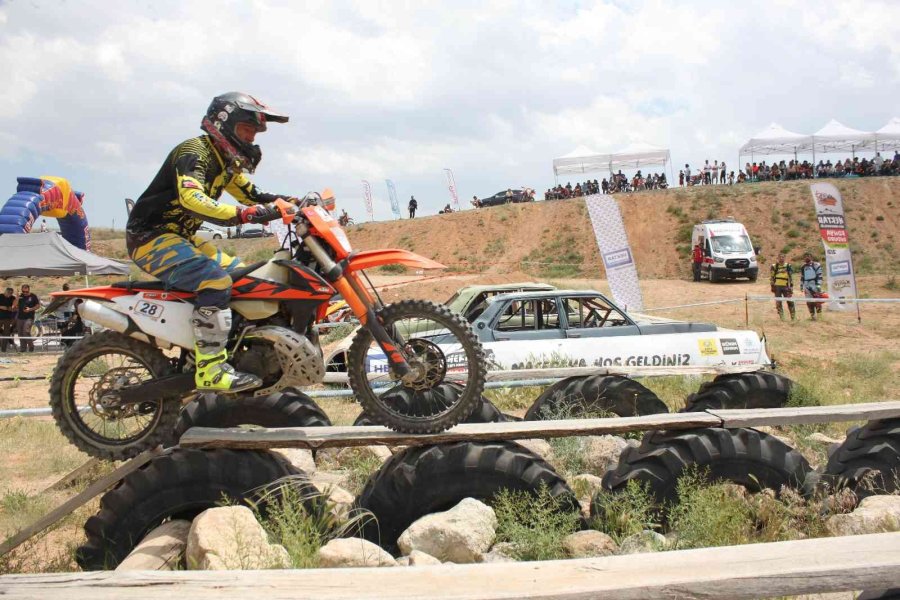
(833, 229)
(452, 189)
(392, 194)
(367, 190)
(618, 260)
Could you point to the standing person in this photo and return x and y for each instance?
(27, 305)
(43, 225)
(706, 172)
(7, 319)
(715, 172)
(781, 280)
(722, 173)
(811, 283)
(681, 178)
(413, 205)
(697, 259)
(687, 174)
(73, 327)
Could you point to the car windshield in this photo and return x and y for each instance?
(728, 244)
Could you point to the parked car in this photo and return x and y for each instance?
(519, 195)
(469, 301)
(728, 252)
(578, 328)
(253, 231)
(208, 233)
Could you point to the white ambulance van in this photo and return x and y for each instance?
(728, 252)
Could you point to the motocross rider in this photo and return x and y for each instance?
(160, 235)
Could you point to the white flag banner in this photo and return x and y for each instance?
(618, 260)
(367, 190)
(833, 229)
(392, 194)
(452, 187)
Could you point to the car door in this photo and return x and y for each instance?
(595, 316)
(528, 319)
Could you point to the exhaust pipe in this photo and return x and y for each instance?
(91, 310)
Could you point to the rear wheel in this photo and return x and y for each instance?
(85, 396)
(439, 346)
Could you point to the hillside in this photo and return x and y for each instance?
(555, 239)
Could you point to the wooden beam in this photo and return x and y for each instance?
(733, 572)
(807, 414)
(331, 437)
(77, 501)
(524, 374)
(74, 475)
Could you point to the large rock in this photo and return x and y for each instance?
(228, 538)
(354, 552)
(586, 487)
(161, 550)
(460, 535)
(420, 559)
(540, 447)
(298, 457)
(601, 452)
(503, 552)
(645, 541)
(588, 543)
(875, 514)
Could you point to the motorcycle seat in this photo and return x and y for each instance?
(162, 286)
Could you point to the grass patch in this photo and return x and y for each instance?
(393, 269)
(675, 389)
(303, 523)
(683, 235)
(333, 334)
(513, 399)
(534, 525)
(624, 513)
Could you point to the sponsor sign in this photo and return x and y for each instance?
(729, 346)
(612, 241)
(452, 187)
(836, 241)
(708, 347)
(617, 258)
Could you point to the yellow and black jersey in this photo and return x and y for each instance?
(186, 191)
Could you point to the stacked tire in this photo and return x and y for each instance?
(595, 395)
(761, 389)
(868, 461)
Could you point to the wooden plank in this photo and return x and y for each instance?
(525, 374)
(73, 476)
(79, 500)
(807, 414)
(733, 572)
(329, 437)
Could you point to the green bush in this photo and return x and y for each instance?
(534, 525)
(709, 515)
(626, 512)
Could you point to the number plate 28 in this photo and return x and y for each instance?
(149, 309)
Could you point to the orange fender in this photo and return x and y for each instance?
(375, 258)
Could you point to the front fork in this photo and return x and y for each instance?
(360, 302)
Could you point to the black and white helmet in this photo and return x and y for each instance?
(224, 113)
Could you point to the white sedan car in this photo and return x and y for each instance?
(208, 233)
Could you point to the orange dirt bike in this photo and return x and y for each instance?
(119, 392)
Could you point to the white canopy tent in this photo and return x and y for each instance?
(837, 137)
(634, 156)
(775, 139)
(888, 137)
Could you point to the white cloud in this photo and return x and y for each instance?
(492, 90)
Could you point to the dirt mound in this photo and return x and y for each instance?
(554, 239)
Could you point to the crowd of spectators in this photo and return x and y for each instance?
(790, 170)
(617, 182)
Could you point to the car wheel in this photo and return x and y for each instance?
(217, 236)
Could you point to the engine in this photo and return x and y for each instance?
(280, 357)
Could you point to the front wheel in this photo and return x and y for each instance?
(85, 397)
(439, 346)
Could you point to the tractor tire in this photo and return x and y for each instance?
(583, 396)
(486, 412)
(427, 479)
(745, 457)
(868, 461)
(761, 389)
(178, 485)
(288, 408)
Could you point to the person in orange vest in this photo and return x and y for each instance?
(697, 260)
(782, 282)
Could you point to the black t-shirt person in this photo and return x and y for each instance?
(7, 301)
(28, 305)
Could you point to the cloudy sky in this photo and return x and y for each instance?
(100, 91)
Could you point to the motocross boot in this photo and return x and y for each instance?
(211, 327)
